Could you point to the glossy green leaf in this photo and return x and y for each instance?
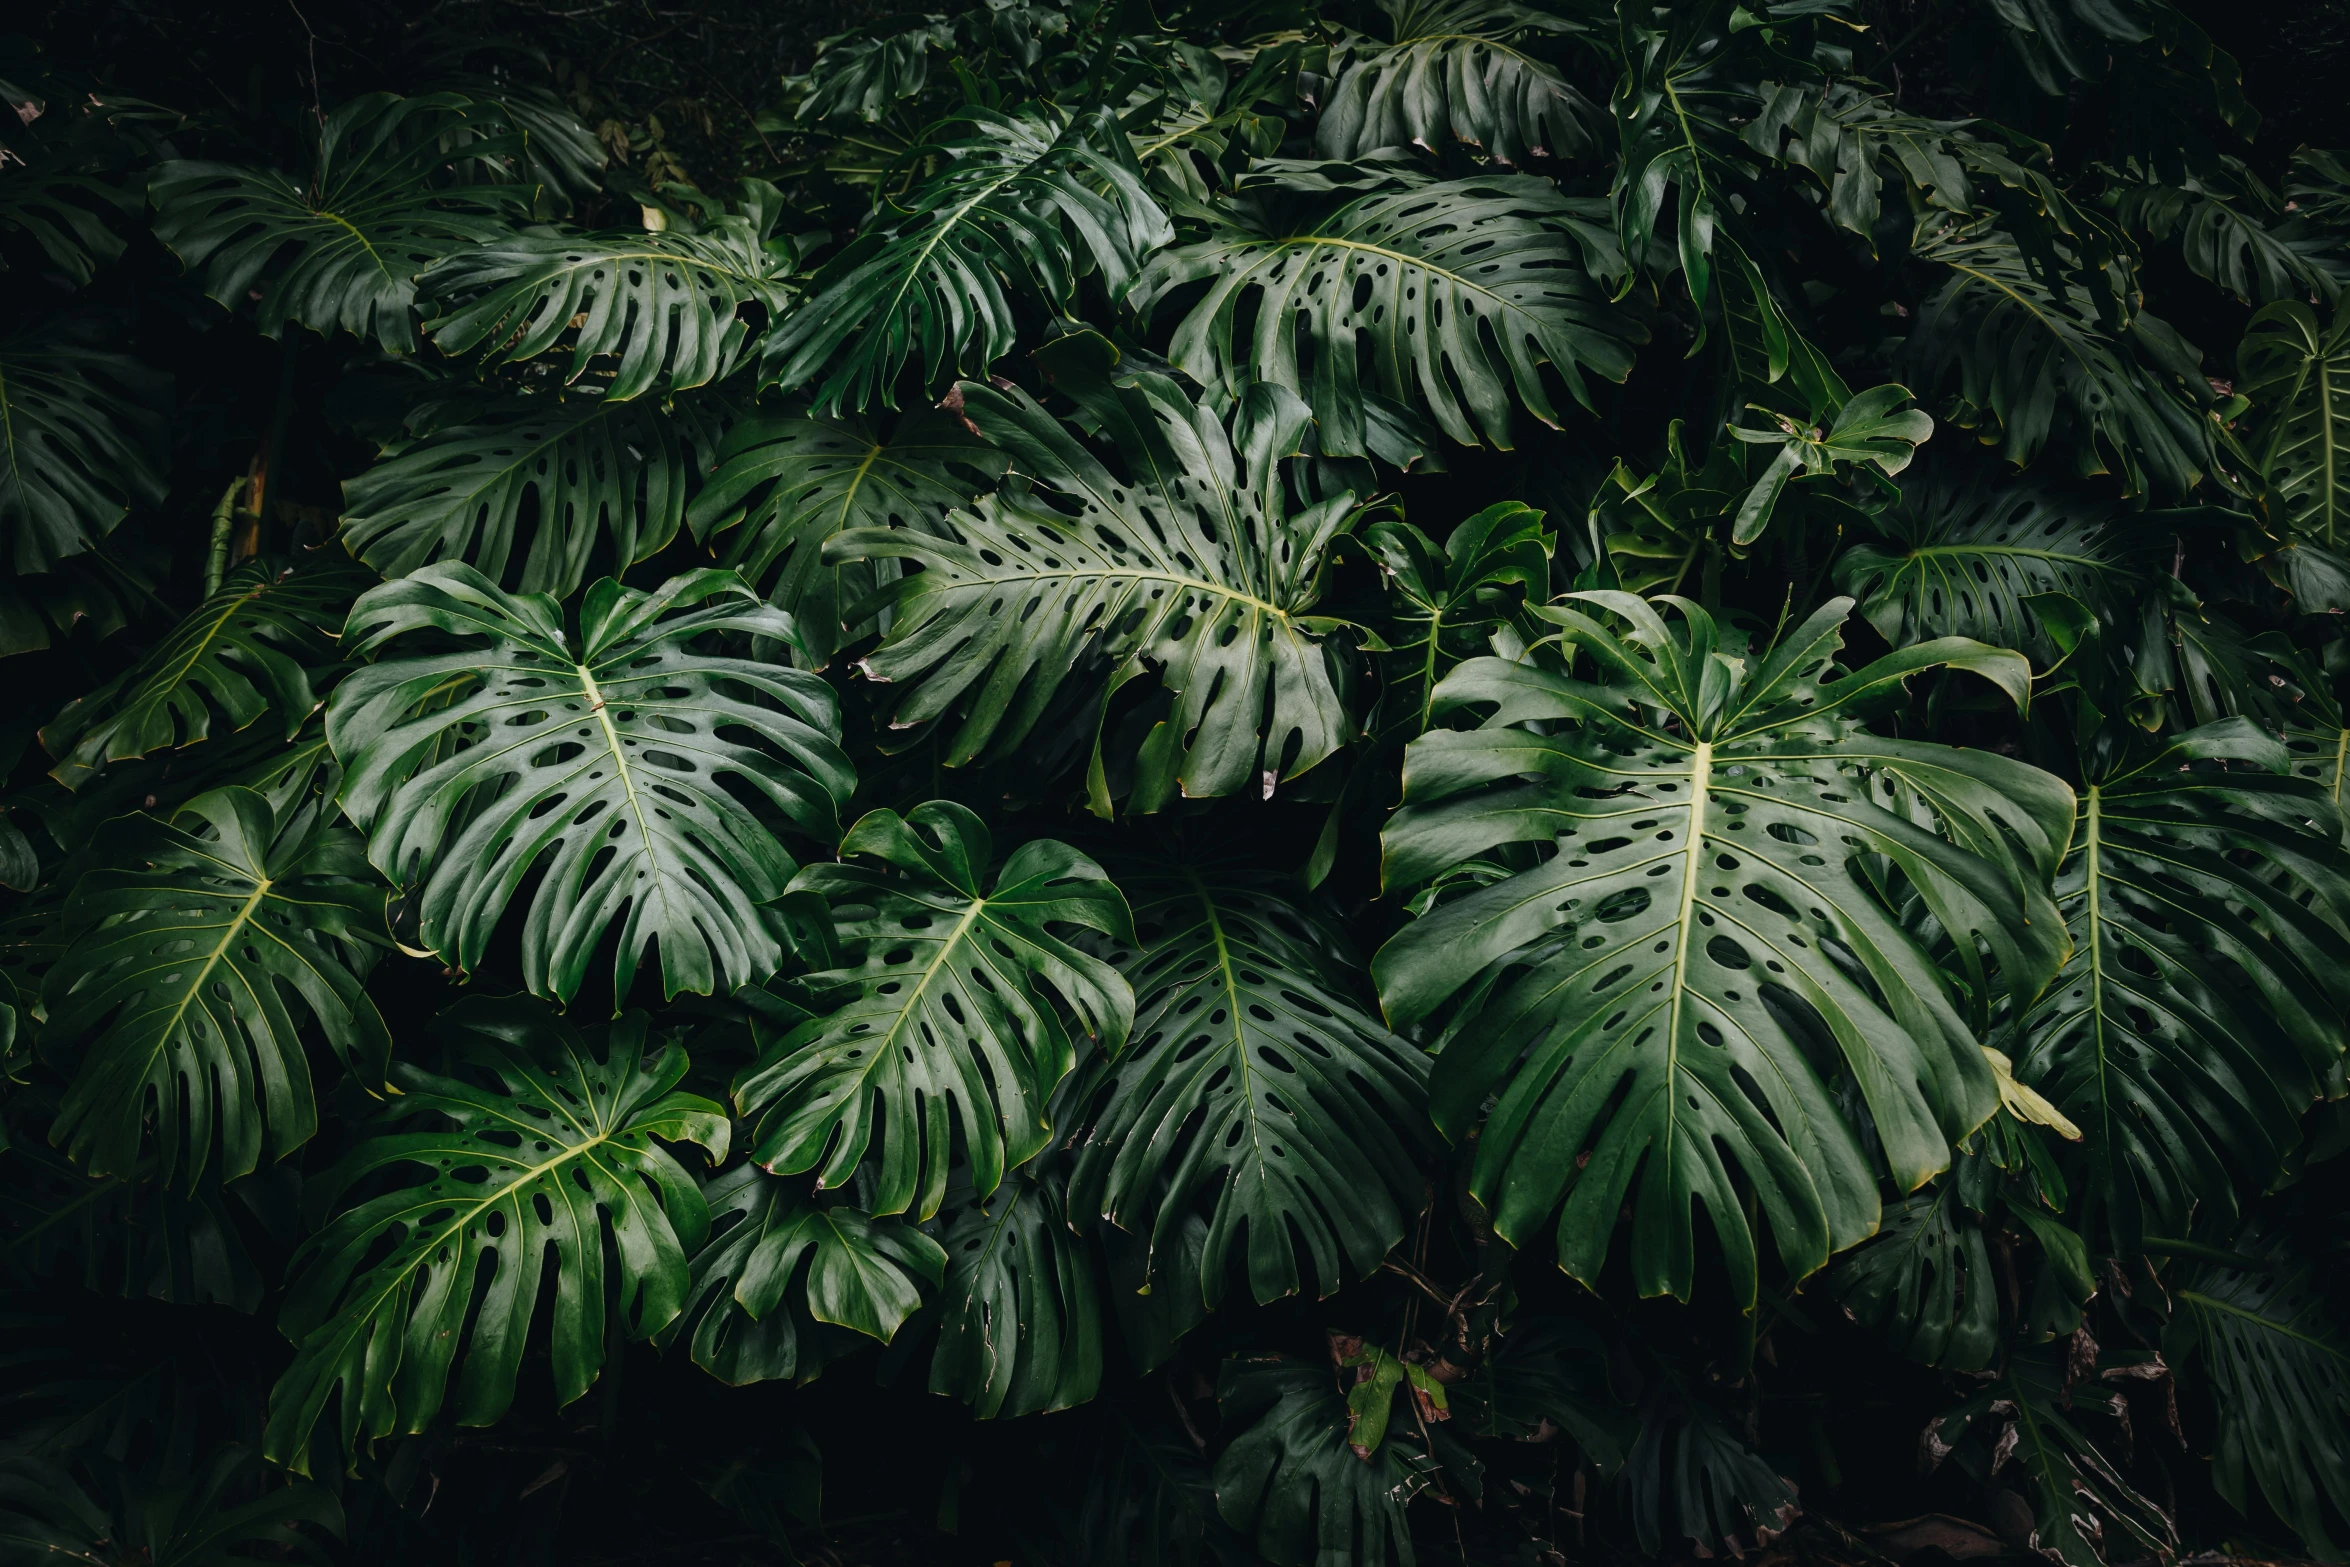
(341, 250)
(642, 310)
(965, 1009)
(549, 1154)
(248, 652)
(2297, 374)
(1968, 549)
(1259, 1092)
(1451, 297)
(1447, 597)
(485, 743)
(1025, 205)
(1191, 565)
(1691, 1477)
(1469, 71)
(1664, 992)
(2202, 1004)
(192, 950)
(1020, 1314)
(782, 487)
(534, 491)
(755, 1315)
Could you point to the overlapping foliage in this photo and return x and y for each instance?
(1394, 764)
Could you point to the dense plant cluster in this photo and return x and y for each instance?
(1443, 780)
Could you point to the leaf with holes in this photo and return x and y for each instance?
(1023, 206)
(2297, 374)
(1192, 563)
(754, 1316)
(1967, 550)
(190, 952)
(1470, 71)
(645, 310)
(549, 1156)
(963, 1009)
(248, 652)
(1456, 293)
(640, 773)
(2202, 1005)
(782, 487)
(1658, 1008)
(342, 250)
(2029, 361)
(549, 484)
(1020, 1315)
(1259, 1093)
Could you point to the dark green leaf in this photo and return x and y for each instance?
(489, 745)
(246, 653)
(547, 1157)
(1459, 71)
(751, 1315)
(1259, 1092)
(2202, 1003)
(343, 250)
(83, 446)
(563, 484)
(2297, 374)
(961, 1014)
(1020, 1315)
(1289, 1479)
(190, 952)
(1458, 293)
(1665, 993)
(783, 487)
(1192, 564)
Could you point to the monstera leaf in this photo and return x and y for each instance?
(958, 996)
(1192, 564)
(2032, 1417)
(173, 1507)
(1455, 292)
(747, 1322)
(1020, 1316)
(125, 1234)
(639, 772)
(2028, 361)
(1447, 599)
(2298, 375)
(1644, 1005)
(1459, 70)
(1258, 1092)
(645, 309)
(246, 653)
(783, 487)
(1691, 1477)
(84, 445)
(1290, 1481)
(190, 952)
(341, 250)
(2202, 1004)
(546, 1158)
(1023, 207)
(1967, 551)
(1926, 1282)
(2269, 1345)
(560, 482)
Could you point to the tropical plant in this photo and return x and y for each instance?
(1353, 782)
